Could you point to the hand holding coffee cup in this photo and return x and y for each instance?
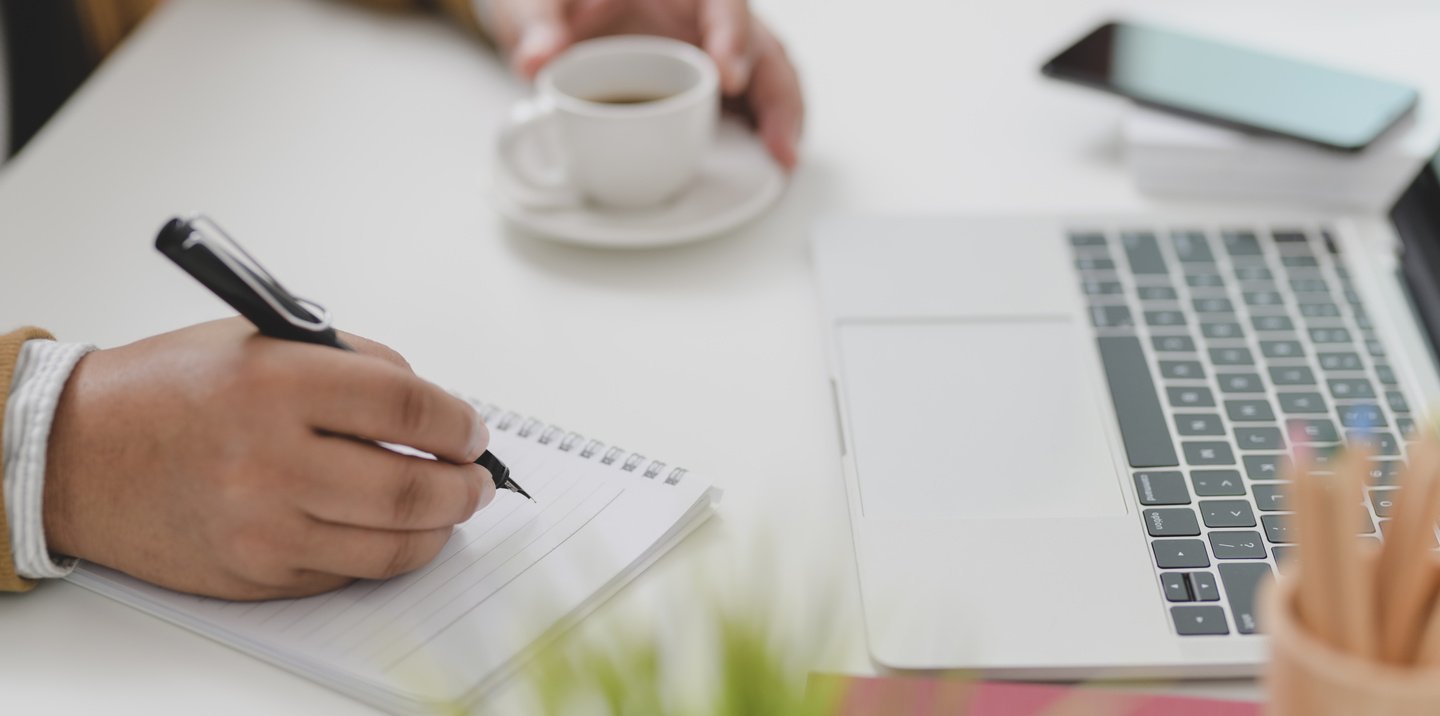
(622, 122)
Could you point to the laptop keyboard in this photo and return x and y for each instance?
(1218, 346)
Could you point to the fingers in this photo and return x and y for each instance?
(348, 551)
(372, 400)
(725, 34)
(364, 485)
(365, 346)
(776, 100)
(535, 31)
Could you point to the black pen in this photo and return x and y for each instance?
(212, 257)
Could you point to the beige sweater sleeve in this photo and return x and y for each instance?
(10, 344)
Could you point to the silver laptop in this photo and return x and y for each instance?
(1065, 438)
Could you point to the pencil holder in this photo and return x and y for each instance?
(1308, 677)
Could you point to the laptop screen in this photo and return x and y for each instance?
(1416, 215)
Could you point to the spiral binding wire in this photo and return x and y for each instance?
(568, 441)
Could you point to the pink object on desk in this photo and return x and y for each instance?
(916, 696)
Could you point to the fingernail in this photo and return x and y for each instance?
(479, 437)
(535, 47)
(487, 493)
(738, 72)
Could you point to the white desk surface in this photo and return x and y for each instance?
(352, 151)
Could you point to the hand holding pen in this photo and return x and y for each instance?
(213, 258)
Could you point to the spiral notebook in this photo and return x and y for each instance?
(513, 574)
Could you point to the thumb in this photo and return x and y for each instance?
(541, 33)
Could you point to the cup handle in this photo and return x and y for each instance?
(546, 186)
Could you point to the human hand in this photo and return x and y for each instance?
(755, 73)
(217, 461)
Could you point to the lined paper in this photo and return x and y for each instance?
(506, 576)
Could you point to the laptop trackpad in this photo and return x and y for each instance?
(977, 418)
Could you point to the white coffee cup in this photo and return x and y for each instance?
(622, 122)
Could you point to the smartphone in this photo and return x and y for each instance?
(1235, 86)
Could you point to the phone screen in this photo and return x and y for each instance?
(1235, 86)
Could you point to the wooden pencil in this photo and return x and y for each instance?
(1355, 594)
(1400, 583)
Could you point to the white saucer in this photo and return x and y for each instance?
(737, 182)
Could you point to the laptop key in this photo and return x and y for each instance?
(1179, 553)
(1282, 349)
(1259, 439)
(1341, 360)
(1166, 487)
(1292, 375)
(1270, 498)
(1087, 239)
(1203, 587)
(1164, 318)
(1231, 356)
(1102, 288)
(1111, 317)
(1237, 545)
(1380, 443)
(1291, 403)
(1227, 513)
(1383, 500)
(1198, 424)
(1182, 369)
(1263, 298)
(1143, 251)
(1213, 305)
(1217, 483)
(1289, 236)
(1240, 383)
(1351, 388)
(1242, 584)
(1277, 529)
(1156, 293)
(1330, 335)
(1386, 374)
(1173, 344)
(1384, 472)
(1204, 280)
(1171, 522)
(1191, 247)
(1224, 329)
(1362, 415)
(1247, 272)
(1319, 310)
(1191, 397)
(1314, 430)
(1209, 453)
(1199, 621)
(1309, 285)
(1397, 401)
(1299, 262)
(1273, 323)
(1249, 411)
(1241, 243)
(1093, 263)
(1143, 427)
(1266, 467)
(1175, 587)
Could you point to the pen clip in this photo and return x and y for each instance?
(204, 231)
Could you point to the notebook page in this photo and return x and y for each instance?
(507, 574)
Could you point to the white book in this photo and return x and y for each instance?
(514, 573)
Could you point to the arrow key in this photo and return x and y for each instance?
(1227, 513)
(1179, 553)
(1199, 621)
(1217, 483)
